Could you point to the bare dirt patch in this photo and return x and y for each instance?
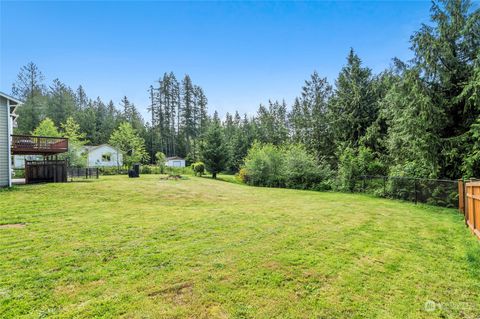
(179, 293)
(12, 226)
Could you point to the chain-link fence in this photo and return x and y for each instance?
(439, 192)
(82, 172)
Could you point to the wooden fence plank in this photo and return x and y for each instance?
(461, 196)
(471, 206)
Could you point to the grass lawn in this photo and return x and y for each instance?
(199, 248)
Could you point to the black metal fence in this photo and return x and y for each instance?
(439, 192)
(82, 172)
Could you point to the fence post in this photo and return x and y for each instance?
(461, 196)
(474, 222)
(384, 186)
(415, 189)
(465, 199)
(465, 204)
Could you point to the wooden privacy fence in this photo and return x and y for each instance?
(47, 171)
(469, 204)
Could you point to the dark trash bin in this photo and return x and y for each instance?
(135, 171)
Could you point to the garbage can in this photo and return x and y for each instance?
(134, 171)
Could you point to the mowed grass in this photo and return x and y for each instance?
(199, 248)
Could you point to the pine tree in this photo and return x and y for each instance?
(30, 88)
(214, 149)
(131, 115)
(202, 102)
(81, 98)
(414, 125)
(309, 120)
(445, 53)
(61, 102)
(188, 115)
(87, 119)
(354, 107)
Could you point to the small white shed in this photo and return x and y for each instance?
(103, 156)
(175, 161)
(7, 122)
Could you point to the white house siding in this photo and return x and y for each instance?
(4, 138)
(95, 156)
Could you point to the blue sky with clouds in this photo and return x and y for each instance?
(241, 53)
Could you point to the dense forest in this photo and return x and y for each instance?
(418, 118)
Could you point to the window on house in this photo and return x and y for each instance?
(106, 157)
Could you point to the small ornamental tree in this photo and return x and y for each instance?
(130, 144)
(214, 149)
(161, 159)
(46, 128)
(198, 168)
(76, 140)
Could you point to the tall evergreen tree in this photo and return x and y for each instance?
(132, 116)
(201, 103)
(81, 98)
(188, 114)
(445, 53)
(309, 117)
(414, 126)
(61, 102)
(214, 149)
(354, 107)
(30, 88)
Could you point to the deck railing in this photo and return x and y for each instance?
(42, 145)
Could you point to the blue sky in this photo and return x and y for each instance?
(241, 53)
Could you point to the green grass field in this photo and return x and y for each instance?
(199, 248)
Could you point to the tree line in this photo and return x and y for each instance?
(417, 118)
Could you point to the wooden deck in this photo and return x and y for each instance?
(38, 145)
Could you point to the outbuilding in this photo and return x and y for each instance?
(175, 161)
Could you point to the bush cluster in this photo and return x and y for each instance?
(198, 168)
(288, 166)
(355, 163)
(112, 170)
(147, 169)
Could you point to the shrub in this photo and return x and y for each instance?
(150, 169)
(265, 165)
(243, 175)
(19, 173)
(178, 170)
(198, 168)
(355, 163)
(161, 158)
(348, 170)
(302, 170)
(290, 166)
(112, 171)
(145, 169)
